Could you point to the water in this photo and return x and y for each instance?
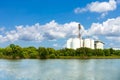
(60, 69)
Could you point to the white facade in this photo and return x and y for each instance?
(89, 43)
(92, 45)
(81, 43)
(75, 43)
(99, 45)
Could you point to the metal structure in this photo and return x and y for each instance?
(79, 28)
(75, 43)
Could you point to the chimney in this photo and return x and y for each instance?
(79, 28)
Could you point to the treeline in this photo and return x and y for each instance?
(17, 52)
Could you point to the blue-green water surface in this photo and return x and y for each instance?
(60, 69)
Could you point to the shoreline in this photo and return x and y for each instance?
(71, 57)
(90, 57)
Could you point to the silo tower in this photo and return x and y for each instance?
(79, 28)
(79, 35)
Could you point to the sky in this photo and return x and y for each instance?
(49, 23)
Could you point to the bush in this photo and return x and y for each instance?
(52, 56)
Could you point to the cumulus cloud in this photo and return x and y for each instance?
(98, 7)
(110, 29)
(3, 39)
(102, 6)
(2, 29)
(12, 36)
(80, 10)
(37, 32)
(52, 31)
(114, 38)
(55, 45)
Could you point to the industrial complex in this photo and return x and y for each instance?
(79, 42)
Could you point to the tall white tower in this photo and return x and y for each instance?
(77, 42)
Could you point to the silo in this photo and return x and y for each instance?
(69, 43)
(81, 43)
(92, 44)
(75, 43)
(87, 43)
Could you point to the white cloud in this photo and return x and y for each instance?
(12, 36)
(99, 7)
(2, 29)
(110, 29)
(114, 38)
(80, 10)
(3, 39)
(52, 31)
(29, 33)
(55, 45)
(103, 15)
(37, 32)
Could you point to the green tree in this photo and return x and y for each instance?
(99, 52)
(51, 51)
(111, 51)
(80, 52)
(52, 56)
(1, 53)
(43, 52)
(107, 52)
(117, 52)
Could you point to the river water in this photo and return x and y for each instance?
(60, 69)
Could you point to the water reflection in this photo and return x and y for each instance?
(60, 69)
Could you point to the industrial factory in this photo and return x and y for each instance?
(78, 42)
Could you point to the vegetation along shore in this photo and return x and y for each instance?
(16, 52)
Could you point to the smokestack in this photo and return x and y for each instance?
(79, 28)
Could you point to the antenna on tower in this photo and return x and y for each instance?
(79, 28)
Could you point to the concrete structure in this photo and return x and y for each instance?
(89, 43)
(75, 43)
(81, 43)
(99, 45)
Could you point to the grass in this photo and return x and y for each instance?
(89, 57)
(68, 57)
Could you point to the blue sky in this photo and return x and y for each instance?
(50, 23)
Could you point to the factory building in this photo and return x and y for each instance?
(75, 43)
(89, 43)
(99, 45)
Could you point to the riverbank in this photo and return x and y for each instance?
(17, 52)
(89, 57)
(70, 57)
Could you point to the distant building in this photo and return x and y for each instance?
(89, 43)
(99, 45)
(75, 43)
